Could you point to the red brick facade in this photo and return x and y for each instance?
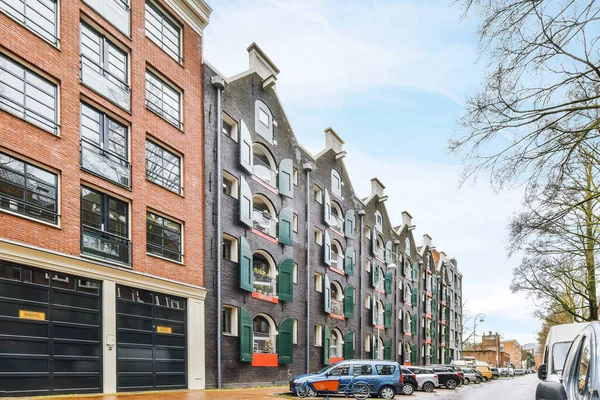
(62, 154)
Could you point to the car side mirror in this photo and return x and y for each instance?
(550, 391)
(327, 373)
(543, 372)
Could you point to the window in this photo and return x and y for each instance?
(264, 335)
(264, 216)
(230, 185)
(163, 167)
(318, 195)
(407, 246)
(295, 222)
(39, 16)
(368, 301)
(368, 343)
(378, 221)
(368, 265)
(385, 369)
(263, 121)
(27, 95)
(28, 190)
(163, 31)
(104, 67)
(364, 369)
(319, 283)
(319, 335)
(163, 99)
(230, 320)
(230, 248)
(114, 11)
(583, 369)
(340, 370)
(368, 232)
(318, 236)
(104, 226)
(295, 273)
(263, 117)
(229, 128)
(295, 332)
(104, 146)
(295, 176)
(163, 237)
(264, 165)
(336, 183)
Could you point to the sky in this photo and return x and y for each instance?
(391, 78)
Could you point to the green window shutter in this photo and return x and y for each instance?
(349, 302)
(414, 325)
(326, 344)
(245, 199)
(387, 350)
(349, 346)
(415, 298)
(285, 280)
(388, 282)
(349, 260)
(413, 354)
(326, 207)
(327, 247)
(286, 184)
(245, 262)
(327, 295)
(246, 336)
(388, 252)
(245, 141)
(286, 231)
(373, 311)
(350, 224)
(374, 274)
(285, 348)
(415, 271)
(374, 241)
(387, 315)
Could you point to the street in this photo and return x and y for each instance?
(520, 388)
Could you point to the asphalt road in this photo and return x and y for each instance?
(519, 388)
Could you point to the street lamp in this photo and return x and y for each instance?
(482, 319)
(388, 268)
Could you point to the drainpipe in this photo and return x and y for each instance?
(361, 214)
(219, 85)
(308, 168)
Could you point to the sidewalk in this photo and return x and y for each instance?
(212, 394)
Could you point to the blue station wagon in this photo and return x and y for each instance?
(383, 377)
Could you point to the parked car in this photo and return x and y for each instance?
(426, 378)
(409, 379)
(503, 372)
(485, 371)
(495, 373)
(447, 376)
(471, 376)
(459, 371)
(519, 372)
(556, 348)
(580, 377)
(384, 377)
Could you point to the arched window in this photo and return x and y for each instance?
(265, 333)
(264, 215)
(336, 183)
(407, 293)
(380, 283)
(407, 322)
(337, 217)
(379, 349)
(336, 344)
(406, 352)
(337, 255)
(407, 249)
(337, 299)
(264, 165)
(380, 312)
(380, 251)
(378, 221)
(265, 273)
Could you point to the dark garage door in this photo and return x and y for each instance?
(151, 340)
(49, 332)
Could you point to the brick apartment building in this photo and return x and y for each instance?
(101, 196)
(301, 272)
(513, 349)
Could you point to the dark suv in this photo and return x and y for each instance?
(495, 373)
(409, 379)
(447, 376)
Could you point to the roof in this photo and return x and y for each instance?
(436, 255)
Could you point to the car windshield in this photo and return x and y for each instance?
(559, 355)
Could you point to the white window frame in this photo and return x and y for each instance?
(234, 127)
(318, 335)
(234, 320)
(234, 184)
(318, 194)
(318, 236)
(319, 282)
(233, 247)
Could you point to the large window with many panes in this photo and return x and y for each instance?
(163, 30)
(104, 67)
(163, 99)
(114, 11)
(28, 95)
(104, 146)
(28, 190)
(163, 167)
(39, 16)
(163, 237)
(104, 226)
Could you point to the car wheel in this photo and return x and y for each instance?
(451, 384)
(495, 377)
(388, 392)
(407, 389)
(467, 381)
(428, 387)
(478, 381)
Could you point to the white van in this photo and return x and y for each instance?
(557, 346)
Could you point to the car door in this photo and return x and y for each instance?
(341, 371)
(580, 374)
(365, 373)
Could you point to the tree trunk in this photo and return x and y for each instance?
(589, 245)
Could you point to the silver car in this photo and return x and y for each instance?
(426, 378)
(471, 376)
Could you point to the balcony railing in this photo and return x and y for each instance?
(264, 172)
(105, 163)
(265, 284)
(337, 223)
(337, 307)
(263, 343)
(264, 223)
(105, 245)
(104, 82)
(114, 11)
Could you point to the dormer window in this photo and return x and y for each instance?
(263, 121)
(378, 221)
(336, 183)
(407, 246)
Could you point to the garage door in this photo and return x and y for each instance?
(49, 332)
(151, 340)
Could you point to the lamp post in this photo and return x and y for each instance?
(388, 268)
(475, 326)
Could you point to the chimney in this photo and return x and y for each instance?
(406, 218)
(333, 141)
(377, 187)
(263, 65)
(442, 256)
(427, 241)
(453, 261)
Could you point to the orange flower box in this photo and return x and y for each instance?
(335, 360)
(265, 360)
